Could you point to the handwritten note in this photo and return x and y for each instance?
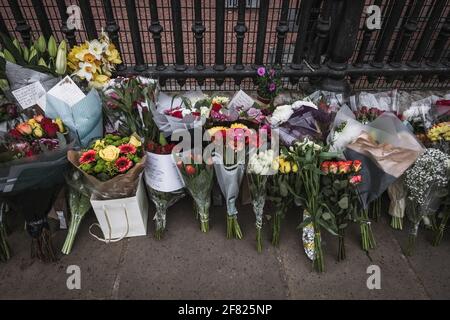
(242, 100)
(162, 173)
(29, 95)
(66, 90)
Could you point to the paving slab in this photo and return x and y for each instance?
(187, 264)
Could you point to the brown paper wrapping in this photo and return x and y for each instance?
(121, 186)
(393, 160)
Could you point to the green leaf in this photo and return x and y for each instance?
(343, 203)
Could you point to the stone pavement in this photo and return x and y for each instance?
(188, 264)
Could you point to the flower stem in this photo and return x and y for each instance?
(73, 230)
(397, 223)
(341, 250)
(4, 247)
(318, 263)
(160, 221)
(233, 228)
(276, 227)
(203, 214)
(258, 240)
(440, 230)
(367, 239)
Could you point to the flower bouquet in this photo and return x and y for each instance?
(260, 167)
(229, 164)
(339, 182)
(269, 84)
(126, 105)
(278, 192)
(426, 182)
(164, 182)
(79, 205)
(4, 247)
(439, 135)
(44, 61)
(94, 61)
(198, 179)
(111, 170)
(32, 163)
(308, 156)
(180, 112)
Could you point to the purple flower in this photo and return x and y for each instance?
(272, 87)
(253, 112)
(261, 71)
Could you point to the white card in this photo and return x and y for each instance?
(29, 95)
(241, 99)
(62, 220)
(66, 90)
(162, 173)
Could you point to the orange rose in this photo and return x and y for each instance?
(24, 128)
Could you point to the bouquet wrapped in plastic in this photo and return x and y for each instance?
(32, 166)
(426, 182)
(79, 204)
(186, 112)
(198, 179)
(229, 164)
(300, 120)
(260, 167)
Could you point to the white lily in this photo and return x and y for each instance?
(96, 48)
(86, 70)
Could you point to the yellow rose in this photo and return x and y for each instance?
(37, 132)
(60, 124)
(135, 141)
(110, 153)
(33, 123)
(98, 145)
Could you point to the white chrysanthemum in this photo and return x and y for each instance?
(204, 112)
(281, 115)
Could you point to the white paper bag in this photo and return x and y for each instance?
(122, 218)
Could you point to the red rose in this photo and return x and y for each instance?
(216, 107)
(49, 127)
(344, 166)
(190, 170)
(177, 114)
(333, 167)
(356, 179)
(15, 133)
(356, 166)
(325, 167)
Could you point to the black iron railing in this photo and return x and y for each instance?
(218, 44)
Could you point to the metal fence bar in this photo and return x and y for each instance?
(69, 33)
(21, 25)
(88, 19)
(112, 28)
(261, 36)
(135, 36)
(42, 17)
(192, 42)
(155, 29)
